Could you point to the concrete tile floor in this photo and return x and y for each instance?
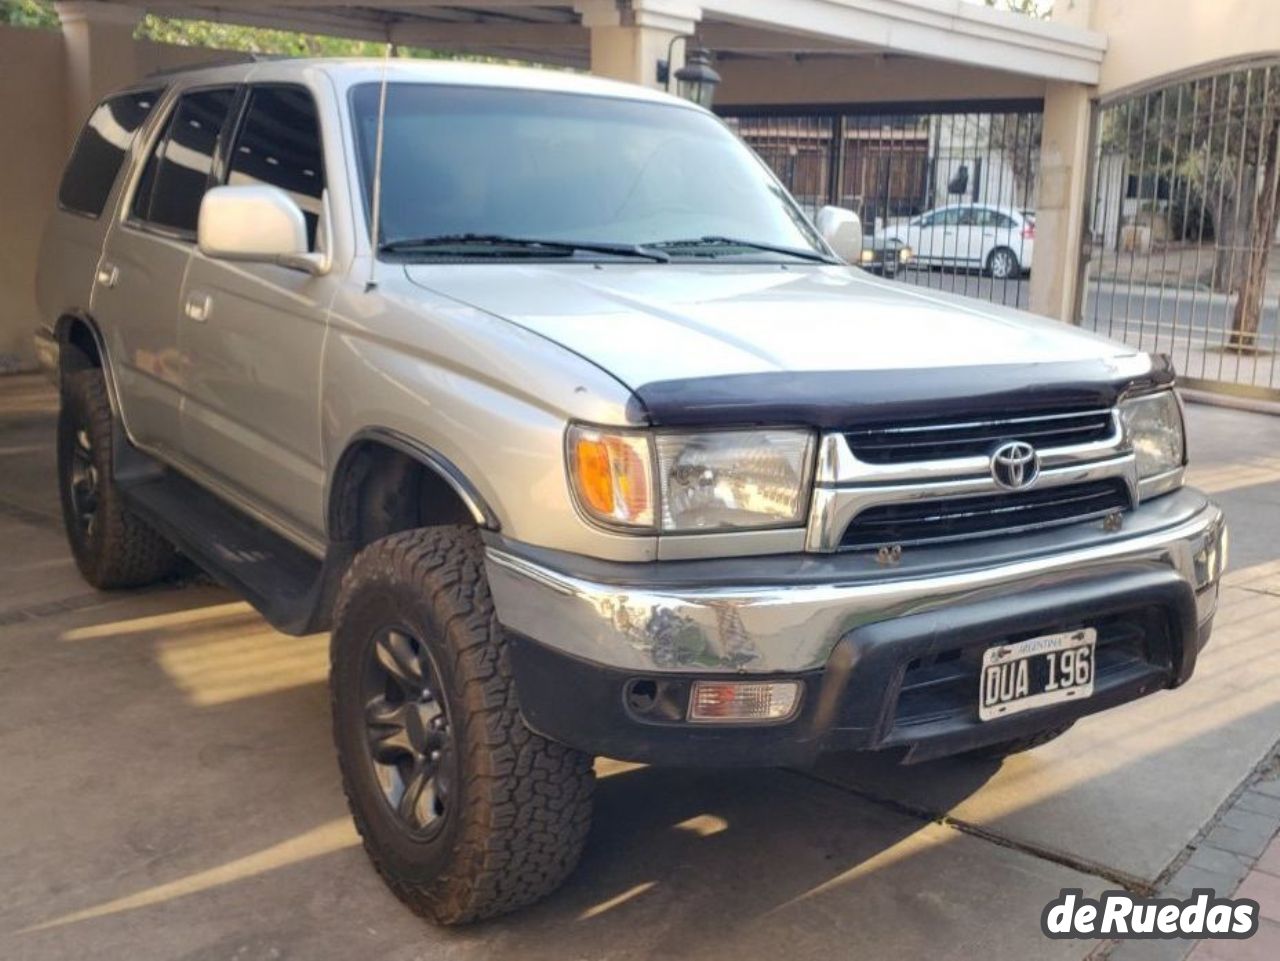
(167, 787)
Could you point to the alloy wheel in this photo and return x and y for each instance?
(409, 738)
(1002, 265)
(86, 482)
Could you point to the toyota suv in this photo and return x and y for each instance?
(544, 397)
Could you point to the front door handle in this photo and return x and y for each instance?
(198, 307)
(108, 275)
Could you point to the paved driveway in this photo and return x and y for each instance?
(168, 790)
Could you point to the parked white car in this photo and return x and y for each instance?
(998, 240)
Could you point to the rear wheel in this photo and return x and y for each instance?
(1003, 264)
(465, 812)
(112, 547)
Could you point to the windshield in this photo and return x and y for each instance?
(475, 165)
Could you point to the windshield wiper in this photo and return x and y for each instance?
(714, 241)
(412, 244)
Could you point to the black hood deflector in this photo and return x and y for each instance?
(843, 399)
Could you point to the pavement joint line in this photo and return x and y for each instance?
(1265, 591)
(27, 516)
(1132, 884)
(87, 602)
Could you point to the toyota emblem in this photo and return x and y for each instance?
(1015, 465)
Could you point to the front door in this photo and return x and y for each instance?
(253, 333)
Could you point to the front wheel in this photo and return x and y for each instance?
(1003, 264)
(465, 812)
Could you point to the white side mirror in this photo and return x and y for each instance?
(842, 230)
(257, 224)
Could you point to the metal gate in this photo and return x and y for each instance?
(1184, 218)
(954, 183)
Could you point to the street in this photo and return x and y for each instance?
(170, 790)
(1113, 308)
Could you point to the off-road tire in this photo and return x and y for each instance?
(520, 805)
(118, 549)
(998, 752)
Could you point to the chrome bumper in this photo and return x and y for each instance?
(793, 627)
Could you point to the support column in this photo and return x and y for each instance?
(1057, 272)
(628, 40)
(100, 52)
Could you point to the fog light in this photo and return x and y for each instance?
(744, 700)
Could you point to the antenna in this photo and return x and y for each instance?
(375, 219)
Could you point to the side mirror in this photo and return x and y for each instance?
(259, 225)
(842, 230)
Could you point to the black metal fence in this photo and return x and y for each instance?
(955, 183)
(1184, 219)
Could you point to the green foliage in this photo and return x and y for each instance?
(28, 13)
(261, 40)
(221, 36)
(1032, 8)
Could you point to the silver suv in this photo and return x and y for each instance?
(543, 395)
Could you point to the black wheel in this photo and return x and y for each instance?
(112, 548)
(1003, 264)
(997, 752)
(464, 811)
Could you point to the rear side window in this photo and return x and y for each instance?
(100, 151)
(279, 146)
(177, 172)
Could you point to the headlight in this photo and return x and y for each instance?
(715, 481)
(906, 254)
(867, 256)
(1153, 425)
(734, 479)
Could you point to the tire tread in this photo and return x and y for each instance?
(529, 807)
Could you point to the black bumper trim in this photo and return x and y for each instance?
(851, 703)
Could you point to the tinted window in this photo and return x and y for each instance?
(177, 173)
(101, 149)
(530, 163)
(279, 145)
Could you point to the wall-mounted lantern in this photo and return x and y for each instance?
(696, 80)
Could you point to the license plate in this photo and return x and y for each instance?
(1036, 672)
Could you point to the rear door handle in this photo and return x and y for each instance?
(198, 307)
(108, 275)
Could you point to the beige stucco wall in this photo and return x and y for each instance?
(32, 116)
(36, 119)
(1151, 39)
(872, 78)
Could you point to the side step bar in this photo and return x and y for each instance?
(292, 589)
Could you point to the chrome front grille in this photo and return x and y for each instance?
(932, 483)
(967, 437)
(988, 515)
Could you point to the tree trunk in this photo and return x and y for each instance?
(1264, 206)
(1231, 213)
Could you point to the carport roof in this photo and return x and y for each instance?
(951, 30)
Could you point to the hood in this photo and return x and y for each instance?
(759, 326)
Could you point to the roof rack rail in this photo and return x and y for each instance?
(231, 59)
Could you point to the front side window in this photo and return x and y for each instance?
(100, 151)
(487, 162)
(279, 146)
(176, 176)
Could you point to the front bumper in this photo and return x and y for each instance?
(887, 657)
